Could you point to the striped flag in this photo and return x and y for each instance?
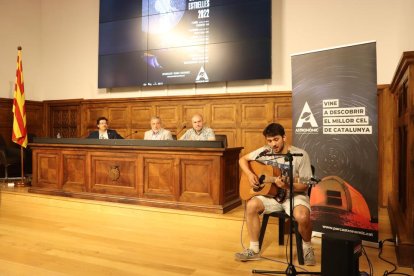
(19, 134)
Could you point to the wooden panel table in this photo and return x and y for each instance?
(191, 175)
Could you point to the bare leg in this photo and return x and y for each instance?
(254, 208)
(302, 216)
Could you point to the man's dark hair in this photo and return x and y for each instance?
(101, 118)
(274, 129)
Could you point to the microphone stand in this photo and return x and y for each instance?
(290, 270)
(129, 135)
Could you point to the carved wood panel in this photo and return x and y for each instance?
(202, 179)
(48, 169)
(252, 139)
(159, 177)
(283, 114)
(64, 120)
(232, 177)
(256, 114)
(93, 113)
(74, 177)
(190, 110)
(401, 207)
(199, 181)
(140, 117)
(223, 115)
(114, 173)
(170, 116)
(119, 117)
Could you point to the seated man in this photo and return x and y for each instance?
(157, 132)
(199, 131)
(103, 131)
(276, 144)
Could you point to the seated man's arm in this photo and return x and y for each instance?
(211, 136)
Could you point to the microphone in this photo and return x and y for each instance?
(263, 153)
(183, 126)
(136, 131)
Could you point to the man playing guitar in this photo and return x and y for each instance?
(258, 204)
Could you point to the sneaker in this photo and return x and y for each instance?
(309, 256)
(247, 255)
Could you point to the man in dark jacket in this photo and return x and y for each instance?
(103, 131)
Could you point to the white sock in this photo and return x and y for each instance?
(254, 246)
(306, 245)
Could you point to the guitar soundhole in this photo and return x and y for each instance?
(261, 185)
(281, 195)
(258, 189)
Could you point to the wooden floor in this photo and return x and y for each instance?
(46, 235)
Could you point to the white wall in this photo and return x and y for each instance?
(60, 44)
(20, 26)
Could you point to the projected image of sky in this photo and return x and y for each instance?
(163, 42)
(160, 16)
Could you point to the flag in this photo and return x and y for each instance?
(19, 134)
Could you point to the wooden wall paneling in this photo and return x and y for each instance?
(64, 118)
(92, 113)
(252, 139)
(34, 125)
(225, 119)
(6, 121)
(386, 103)
(119, 119)
(140, 116)
(140, 119)
(283, 114)
(190, 109)
(230, 133)
(256, 114)
(6, 114)
(170, 115)
(35, 118)
(223, 115)
(55, 124)
(401, 207)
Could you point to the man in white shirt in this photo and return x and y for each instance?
(277, 144)
(157, 132)
(199, 131)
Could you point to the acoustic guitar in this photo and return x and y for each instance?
(267, 177)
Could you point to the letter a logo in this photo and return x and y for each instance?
(202, 75)
(306, 117)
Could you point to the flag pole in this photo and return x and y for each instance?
(19, 133)
(21, 183)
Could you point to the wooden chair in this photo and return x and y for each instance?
(282, 219)
(223, 138)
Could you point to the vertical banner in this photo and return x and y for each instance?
(335, 121)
